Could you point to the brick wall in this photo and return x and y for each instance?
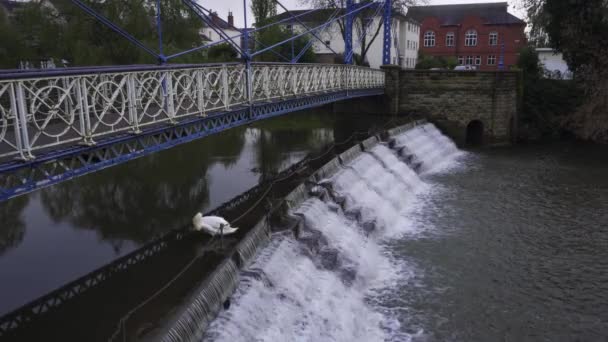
(453, 99)
(512, 36)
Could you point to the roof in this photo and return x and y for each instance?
(494, 13)
(219, 22)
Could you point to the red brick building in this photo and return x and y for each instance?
(476, 34)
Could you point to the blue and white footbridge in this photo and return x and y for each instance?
(62, 123)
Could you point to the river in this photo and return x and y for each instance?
(489, 244)
(513, 247)
(492, 244)
(57, 234)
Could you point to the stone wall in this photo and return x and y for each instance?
(455, 99)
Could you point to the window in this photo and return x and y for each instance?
(470, 38)
(289, 27)
(409, 44)
(449, 39)
(493, 38)
(327, 42)
(477, 60)
(469, 60)
(491, 60)
(429, 39)
(460, 60)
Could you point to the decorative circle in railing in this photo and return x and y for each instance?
(151, 96)
(109, 103)
(185, 92)
(52, 110)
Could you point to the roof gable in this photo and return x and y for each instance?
(492, 13)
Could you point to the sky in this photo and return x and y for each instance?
(236, 6)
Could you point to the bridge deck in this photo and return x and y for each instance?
(58, 126)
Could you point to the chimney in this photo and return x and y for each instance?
(230, 19)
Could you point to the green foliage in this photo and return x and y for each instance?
(222, 53)
(451, 62)
(546, 103)
(36, 31)
(578, 29)
(262, 10)
(275, 34)
(429, 62)
(529, 63)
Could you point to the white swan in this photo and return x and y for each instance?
(212, 225)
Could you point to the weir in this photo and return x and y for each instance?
(320, 274)
(329, 229)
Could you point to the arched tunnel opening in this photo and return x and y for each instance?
(474, 134)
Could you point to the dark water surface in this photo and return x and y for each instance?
(60, 233)
(514, 248)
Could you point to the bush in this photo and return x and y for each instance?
(546, 104)
(430, 62)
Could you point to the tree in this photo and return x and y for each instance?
(222, 53)
(361, 22)
(578, 29)
(275, 34)
(37, 30)
(262, 10)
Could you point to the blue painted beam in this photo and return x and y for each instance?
(386, 43)
(348, 34)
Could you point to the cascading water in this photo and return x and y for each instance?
(428, 145)
(327, 283)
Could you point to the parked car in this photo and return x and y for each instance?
(465, 67)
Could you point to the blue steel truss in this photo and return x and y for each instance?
(17, 178)
(199, 11)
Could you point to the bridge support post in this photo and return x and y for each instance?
(391, 88)
(386, 47)
(348, 34)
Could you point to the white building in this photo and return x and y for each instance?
(553, 63)
(409, 37)
(211, 36)
(402, 53)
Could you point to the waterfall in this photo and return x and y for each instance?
(205, 304)
(428, 145)
(323, 283)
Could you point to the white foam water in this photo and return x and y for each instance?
(310, 291)
(329, 283)
(429, 145)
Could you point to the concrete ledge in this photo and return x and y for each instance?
(255, 239)
(205, 304)
(297, 196)
(350, 154)
(369, 143)
(326, 170)
(400, 129)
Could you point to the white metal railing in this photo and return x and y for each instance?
(40, 112)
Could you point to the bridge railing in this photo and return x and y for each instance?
(39, 112)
